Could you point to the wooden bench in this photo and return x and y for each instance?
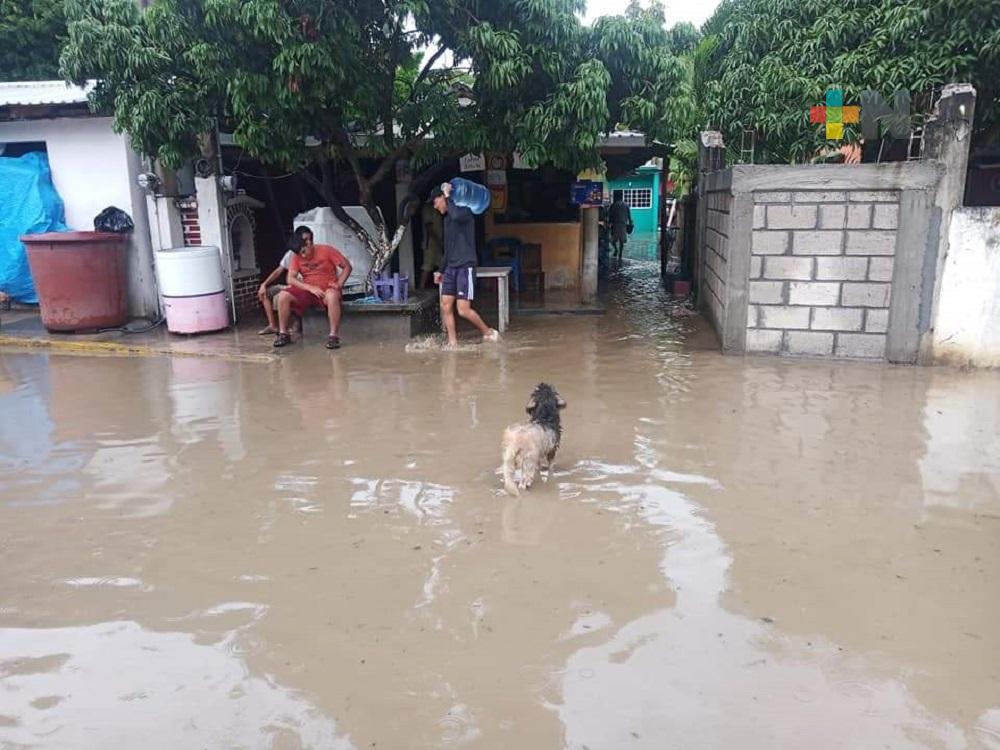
(502, 275)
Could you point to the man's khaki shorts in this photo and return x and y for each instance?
(274, 289)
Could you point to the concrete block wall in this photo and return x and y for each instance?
(715, 252)
(848, 260)
(821, 260)
(821, 265)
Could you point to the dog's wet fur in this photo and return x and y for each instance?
(532, 445)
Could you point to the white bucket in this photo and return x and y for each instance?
(189, 271)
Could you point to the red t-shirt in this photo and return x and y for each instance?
(321, 268)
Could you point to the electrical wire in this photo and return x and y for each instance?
(125, 329)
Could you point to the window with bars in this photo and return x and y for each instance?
(638, 197)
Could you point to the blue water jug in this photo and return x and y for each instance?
(470, 194)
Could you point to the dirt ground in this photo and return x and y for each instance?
(315, 551)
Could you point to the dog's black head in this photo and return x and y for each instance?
(544, 405)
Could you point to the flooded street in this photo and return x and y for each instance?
(316, 552)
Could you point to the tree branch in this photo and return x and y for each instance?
(389, 161)
(343, 139)
(426, 70)
(325, 189)
(419, 184)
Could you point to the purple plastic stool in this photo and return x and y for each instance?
(393, 288)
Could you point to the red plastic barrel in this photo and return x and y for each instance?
(80, 279)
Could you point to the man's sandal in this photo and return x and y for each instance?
(332, 342)
(282, 339)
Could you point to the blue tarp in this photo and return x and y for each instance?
(29, 204)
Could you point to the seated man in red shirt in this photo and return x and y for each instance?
(316, 277)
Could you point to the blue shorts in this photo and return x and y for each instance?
(459, 281)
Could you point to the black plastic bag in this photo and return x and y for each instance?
(113, 219)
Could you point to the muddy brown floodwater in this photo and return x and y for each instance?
(315, 552)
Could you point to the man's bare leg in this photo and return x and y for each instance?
(266, 303)
(448, 318)
(284, 311)
(468, 313)
(332, 299)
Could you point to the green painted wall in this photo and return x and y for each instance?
(646, 220)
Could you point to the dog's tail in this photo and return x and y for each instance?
(509, 465)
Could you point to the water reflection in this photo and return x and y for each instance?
(116, 684)
(729, 552)
(698, 675)
(39, 466)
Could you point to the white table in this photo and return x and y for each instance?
(502, 275)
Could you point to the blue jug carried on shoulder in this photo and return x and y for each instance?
(470, 194)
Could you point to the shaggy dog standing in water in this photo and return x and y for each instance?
(531, 445)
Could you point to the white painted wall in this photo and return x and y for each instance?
(93, 168)
(967, 325)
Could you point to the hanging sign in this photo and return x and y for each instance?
(472, 163)
(496, 177)
(587, 193)
(498, 198)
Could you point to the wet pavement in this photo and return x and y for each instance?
(314, 551)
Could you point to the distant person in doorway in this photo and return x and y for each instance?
(272, 286)
(457, 276)
(316, 278)
(433, 243)
(620, 224)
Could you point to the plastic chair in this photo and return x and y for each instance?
(504, 251)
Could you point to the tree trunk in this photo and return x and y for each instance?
(381, 246)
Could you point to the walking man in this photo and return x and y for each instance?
(458, 266)
(620, 221)
(316, 277)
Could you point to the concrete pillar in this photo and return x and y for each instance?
(405, 249)
(215, 229)
(588, 268)
(711, 151)
(143, 300)
(947, 135)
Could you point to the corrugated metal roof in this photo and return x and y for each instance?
(42, 92)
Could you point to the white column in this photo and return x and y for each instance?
(588, 268)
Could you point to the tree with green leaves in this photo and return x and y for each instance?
(304, 84)
(762, 63)
(31, 32)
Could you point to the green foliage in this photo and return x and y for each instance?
(762, 63)
(302, 82)
(684, 37)
(521, 74)
(31, 32)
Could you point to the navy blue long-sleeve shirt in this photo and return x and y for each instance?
(459, 237)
